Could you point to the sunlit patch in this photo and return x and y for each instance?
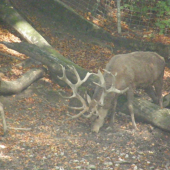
(2, 156)
(2, 146)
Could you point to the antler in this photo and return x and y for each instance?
(103, 85)
(75, 94)
(112, 88)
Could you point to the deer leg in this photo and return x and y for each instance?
(113, 111)
(98, 123)
(130, 96)
(151, 93)
(158, 89)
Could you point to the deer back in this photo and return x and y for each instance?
(138, 69)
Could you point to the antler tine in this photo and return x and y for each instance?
(103, 84)
(84, 107)
(80, 114)
(64, 77)
(83, 111)
(79, 81)
(102, 81)
(113, 76)
(101, 77)
(112, 88)
(74, 88)
(75, 72)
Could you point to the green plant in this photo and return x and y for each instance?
(141, 9)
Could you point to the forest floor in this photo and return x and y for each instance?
(54, 143)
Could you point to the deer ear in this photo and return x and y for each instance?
(88, 99)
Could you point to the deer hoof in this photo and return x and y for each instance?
(95, 129)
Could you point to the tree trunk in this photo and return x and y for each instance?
(16, 86)
(15, 20)
(149, 112)
(52, 59)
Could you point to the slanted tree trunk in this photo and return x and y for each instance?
(52, 59)
(151, 113)
(45, 53)
(15, 20)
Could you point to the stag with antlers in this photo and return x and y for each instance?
(123, 74)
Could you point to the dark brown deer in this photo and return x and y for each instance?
(123, 74)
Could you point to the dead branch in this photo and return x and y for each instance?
(18, 128)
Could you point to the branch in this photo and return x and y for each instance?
(19, 128)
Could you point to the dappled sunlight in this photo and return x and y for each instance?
(3, 157)
(3, 154)
(5, 35)
(2, 146)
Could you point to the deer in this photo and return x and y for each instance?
(124, 73)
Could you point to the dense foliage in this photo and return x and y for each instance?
(155, 11)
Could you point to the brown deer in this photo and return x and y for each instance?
(123, 74)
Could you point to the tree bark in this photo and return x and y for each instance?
(16, 86)
(45, 53)
(166, 101)
(149, 112)
(52, 59)
(15, 20)
(3, 118)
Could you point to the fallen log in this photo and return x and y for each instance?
(16, 86)
(166, 101)
(150, 113)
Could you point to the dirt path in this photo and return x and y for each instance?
(64, 145)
